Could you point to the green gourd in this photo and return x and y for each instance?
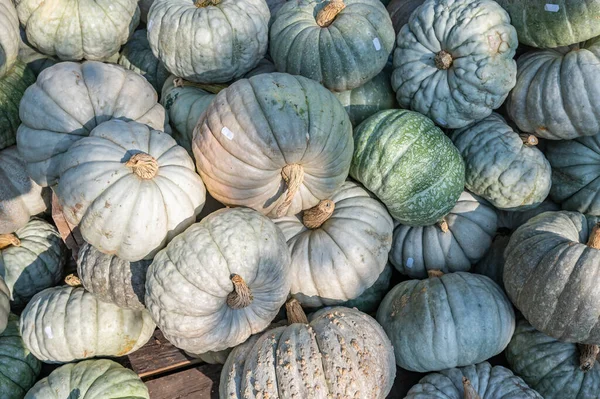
(12, 88)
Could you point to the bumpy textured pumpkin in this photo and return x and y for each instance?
(555, 96)
(462, 238)
(18, 367)
(220, 281)
(454, 320)
(550, 275)
(9, 36)
(74, 30)
(4, 304)
(20, 197)
(409, 164)
(130, 189)
(102, 329)
(137, 56)
(33, 261)
(12, 87)
(369, 300)
(342, 353)
(341, 45)
(501, 166)
(209, 41)
(68, 101)
(455, 76)
(478, 381)
(112, 279)
(90, 379)
(339, 248)
(400, 11)
(276, 143)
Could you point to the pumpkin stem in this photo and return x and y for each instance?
(241, 296)
(587, 356)
(6, 240)
(443, 225)
(594, 240)
(293, 175)
(206, 3)
(443, 60)
(295, 313)
(73, 281)
(143, 165)
(327, 15)
(314, 217)
(211, 88)
(434, 273)
(529, 139)
(470, 392)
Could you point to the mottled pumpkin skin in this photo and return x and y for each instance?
(12, 87)
(4, 305)
(83, 328)
(341, 353)
(445, 322)
(90, 379)
(400, 11)
(409, 164)
(489, 383)
(257, 126)
(550, 276)
(80, 29)
(9, 36)
(369, 300)
(137, 56)
(68, 101)
(482, 44)
(500, 168)
(549, 366)
(472, 224)
(212, 44)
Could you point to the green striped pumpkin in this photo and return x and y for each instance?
(12, 87)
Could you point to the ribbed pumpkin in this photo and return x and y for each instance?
(80, 29)
(446, 321)
(68, 101)
(9, 36)
(220, 281)
(35, 60)
(130, 189)
(400, 11)
(409, 164)
(460, 239)
(564, 73)
(90, 379)
(209, 41)
(341, 353)
(556, 369)
(339, 248)
(369, 300)
(112, 279)
(478, 381)
(83, 328)
(137, 56)
(550, 275)
(4, 305)
(20, 197)
(276, 143)
(32, 260)
(12, 87)
(456, 76)
(502, 166)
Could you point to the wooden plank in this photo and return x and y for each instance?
(69, 233)
(196, 383)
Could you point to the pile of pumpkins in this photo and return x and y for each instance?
(236, 165)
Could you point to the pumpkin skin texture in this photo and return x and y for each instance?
(344, 256)
(409, 164)
(549, 366)
(68, 100)
(458, 305)
(9, 36)
(451, 246)
(35, 60)
(455, 76)
(549, 276)
(500, 168)
(84, 29)
(20, 197)
(258, 129)
(4, 305)
(189, 282)
(119, 210)
(12, 87)
(342, 56)
(90, 379)
(103, 329)
(234, 37)
(369, 300)
(340, 345)
(400, 11)
(112, 279)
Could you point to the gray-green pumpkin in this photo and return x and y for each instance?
(263, 66)
(454, 320)
(550, 275)
(341, 49)
(409, 164)
(369, 300)
(460, 239)
(9, 36)
(137, 56)
(502, 167)
(12, 87)
(83, 328)
(144, 6)
(34, 262)
(90, 379)
(29, 55)
(4, 305)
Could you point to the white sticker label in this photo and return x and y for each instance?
(227, 133)
(149, 27)
(48, 331)
(410, 262)
(552, 7)
(377, 44)
(441, 122)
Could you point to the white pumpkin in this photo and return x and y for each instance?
(9, 36)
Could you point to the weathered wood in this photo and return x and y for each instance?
(69, 233)
(196, 383)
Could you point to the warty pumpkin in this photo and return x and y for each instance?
(12, 88)
(136, 55)
(9, 36)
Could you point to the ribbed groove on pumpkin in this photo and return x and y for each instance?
(73, 281)
(295, 313)
(587, 356)
(6, 240)
(443, 60)
(434, 273)
(314, 217)
(241, 296)
(529, 139)
(143, 165)
(443, 225)
(293, 176)
(470, 392)
(327, 15)
(594, 240)
(208, 87)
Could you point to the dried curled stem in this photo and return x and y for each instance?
(470, 392)
(241, 296)
(587, 356)
(292, 175)
(443, 60)
(314, 217)
(594, 239)
(529, 139)
(443, 225)
(295, 313)
(213, 88)
(327, 15)
(434, 273)
(6, 240)
(73, 281)
(143, 165)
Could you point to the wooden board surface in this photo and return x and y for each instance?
(69, 233)
(200, 382)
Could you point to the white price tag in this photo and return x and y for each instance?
(552, 7)
(227, 133)
(377, 44)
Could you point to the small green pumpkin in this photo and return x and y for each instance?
(12, 88)
(9, 36)
(137, 56)
(4, 304)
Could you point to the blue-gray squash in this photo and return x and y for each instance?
(136, 55)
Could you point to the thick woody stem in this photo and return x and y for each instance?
(529, 139)
(443, 225)
(6, 240)
(594, 239)
(314, 217)
(470, 392)
(73, 281)
(213, 88)
(143, 165)
(292, 175)
(206, 3)
(327, 15)
(587, 356)
(295, 313)
(434, 273)
(241, 296)
(443, 60)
